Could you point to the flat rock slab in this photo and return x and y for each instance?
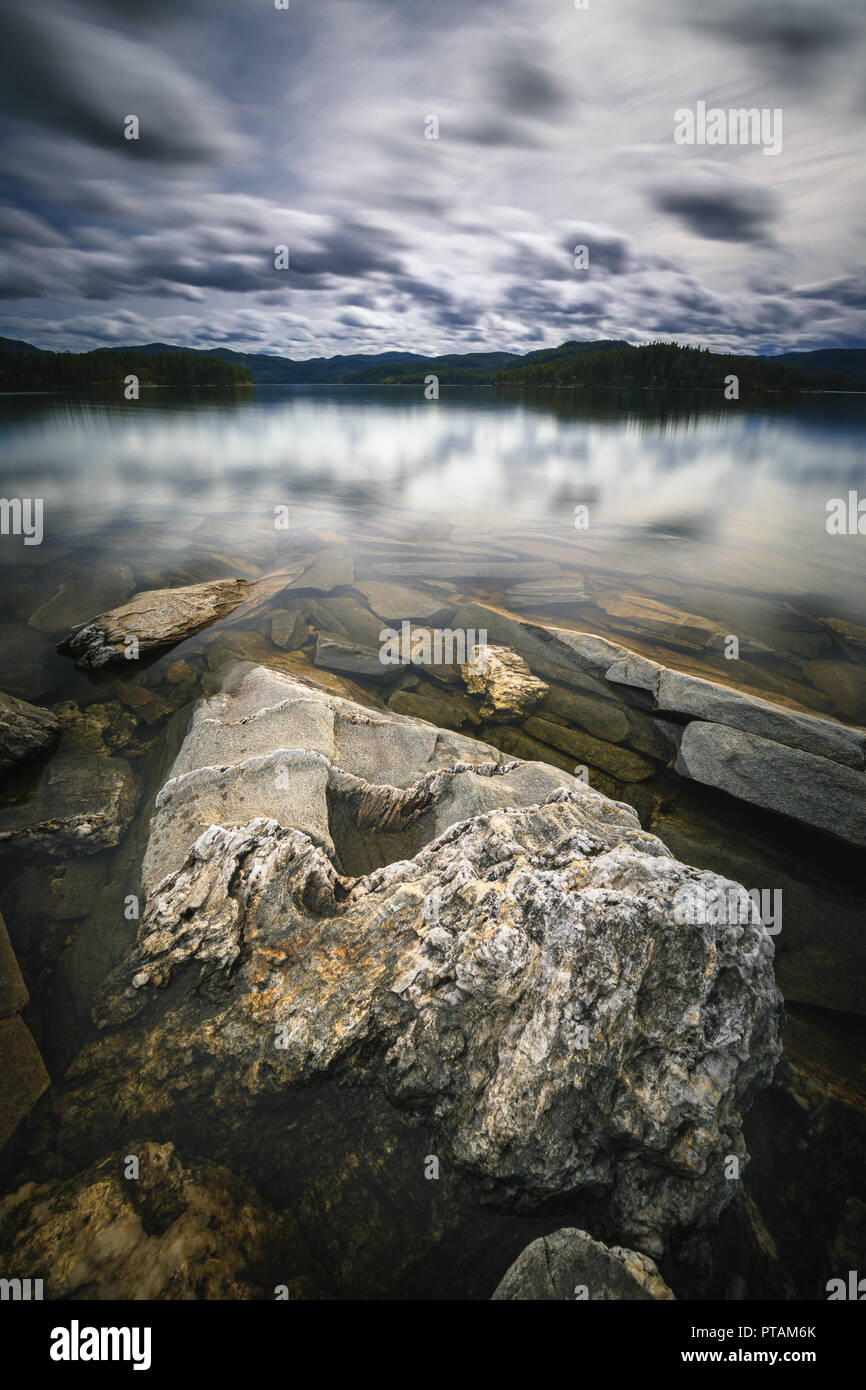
(700, 699)
(339, 654)
(395, 603)
(471, 567)
(827, 795)
(332, 568)
(610, 757)
(538, 595)
(156, 618)
(636, 613)
(25, 730)
(569, 1265)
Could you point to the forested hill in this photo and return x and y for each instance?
(667, 364)
(59, 371)
(603, 362)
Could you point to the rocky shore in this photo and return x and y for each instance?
(405, 973)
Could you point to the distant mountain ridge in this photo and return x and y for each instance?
(827, 368)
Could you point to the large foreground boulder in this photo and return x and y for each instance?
(485, 942)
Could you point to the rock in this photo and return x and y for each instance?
(610, 757)
(84, 798)
(289, 630)
(13, 991)
(395, 603)
(659, 738)
(505, 682)
(572, 658)
(331, 569)
(25, 730)
(268, 745)
(335, 654)
(156, 618)
(89, 587)
(569, 1265)
(21, 1066)
(520, 745)
(851, 634)
(354, 619)
(470, 567)
(603, 719)
(189, 1230)
(636, 613)
(539, 595)
(24, 1074)
(83, 804)
(636, 671)
(844, 682)
(826, 795)
(700, 699)
(778, 625)
(445, 710)
(511, 920)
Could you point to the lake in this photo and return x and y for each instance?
(718, 509)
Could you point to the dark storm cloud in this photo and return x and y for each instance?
(797, 31)
(845, 290)
(717, 206)
(524, 86)
(496, 132)
(77, 79)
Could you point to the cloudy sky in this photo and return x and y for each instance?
(305, 127)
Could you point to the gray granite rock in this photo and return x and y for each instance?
(700, 699)
(474, 908)
(569, 1266)
(827, 795)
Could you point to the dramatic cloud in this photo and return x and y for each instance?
(310, 128)
(715, 204)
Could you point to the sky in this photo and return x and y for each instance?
(307, 127)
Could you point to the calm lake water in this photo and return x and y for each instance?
(713, 509)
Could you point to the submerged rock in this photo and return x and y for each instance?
(84, 587)
(479, 940)
(569, 1265)
(84, 798)
(509, 689)
(156, 618)
(21, 1066)
(25, 730)
(169, 1230)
